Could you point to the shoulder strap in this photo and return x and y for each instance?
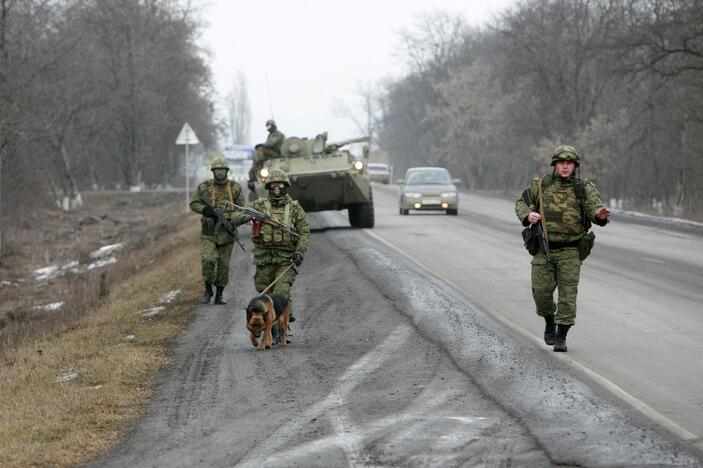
(267, 206)
(580, 192)
(543, 221)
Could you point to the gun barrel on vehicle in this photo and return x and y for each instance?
(338, 144)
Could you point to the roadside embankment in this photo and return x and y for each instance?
(65, 397)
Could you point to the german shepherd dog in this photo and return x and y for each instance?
(262, 313)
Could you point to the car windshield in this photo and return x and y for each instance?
(427, 177)
(378, 168)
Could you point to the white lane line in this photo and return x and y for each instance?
(350, 437)
(653, 260)
(353, 377)
(613, 388)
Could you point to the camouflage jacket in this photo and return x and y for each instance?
(567, 213)
(273, 245)
(219, 193)
(274, 141)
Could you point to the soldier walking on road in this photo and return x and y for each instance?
(274, 248)
(565, 206)
(270, 149)
(216, 245)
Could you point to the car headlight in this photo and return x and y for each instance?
(264, 172)
(358, 165)
(449, 195)
(413, 195)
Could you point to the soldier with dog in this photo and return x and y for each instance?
(280, 234)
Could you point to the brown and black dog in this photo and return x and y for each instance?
(262, 313)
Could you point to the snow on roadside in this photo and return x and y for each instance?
(153, 312)
(106, 250)
(102, 256)
(53, 271)
(67, 376)
(49, 307)
(101, 263)
(169, 296)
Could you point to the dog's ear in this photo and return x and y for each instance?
(248, 314)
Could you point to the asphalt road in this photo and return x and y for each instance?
(639, 326)
(401, 357)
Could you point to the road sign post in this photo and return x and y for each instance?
(187, 137)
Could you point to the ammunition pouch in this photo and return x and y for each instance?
(530, 239)
(586, 245)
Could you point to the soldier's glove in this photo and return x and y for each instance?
(209, 212)
(251, 186)
(297, 258)
(247, 218)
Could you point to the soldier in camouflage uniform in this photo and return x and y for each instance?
(216, 248)
(264, 151)
(275, 249)
(569, 206)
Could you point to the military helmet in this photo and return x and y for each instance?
(271, 122)
(219, 163)
(565, 153)
(277, 175)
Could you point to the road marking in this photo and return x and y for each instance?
(347, 439)
(611, 387)
(653, 260)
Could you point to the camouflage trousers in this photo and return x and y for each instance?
(568, 270)
(214, 260)
(265, 274)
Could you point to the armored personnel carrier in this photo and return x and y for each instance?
(325, 176)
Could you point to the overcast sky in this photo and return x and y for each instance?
(314, 53)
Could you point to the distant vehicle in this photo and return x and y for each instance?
(428, 188)
(325, 176)
(240, 159)
(379, 172)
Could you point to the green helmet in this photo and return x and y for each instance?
(219, 163)
(565, 153)
(271, 122)
(277, 175)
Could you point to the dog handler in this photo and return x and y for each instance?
(216, 248)
(275, 249)
(565, 206)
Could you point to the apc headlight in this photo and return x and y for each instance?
(448, 195)
(264, 173)
(413, 195)
(358, 165)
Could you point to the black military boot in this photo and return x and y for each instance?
(218, 296)
(207, 295)
(550, 329)
(560, 338)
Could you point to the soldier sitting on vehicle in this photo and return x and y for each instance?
(263, 151)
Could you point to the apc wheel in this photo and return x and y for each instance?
(403, 212)
(453, 212)
(361, 215)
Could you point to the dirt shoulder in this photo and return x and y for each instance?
(68, 383)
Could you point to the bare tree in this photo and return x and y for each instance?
(239, 110)
(364, 111)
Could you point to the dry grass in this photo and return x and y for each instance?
(44, 422)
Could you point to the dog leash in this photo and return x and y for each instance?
(290, 265)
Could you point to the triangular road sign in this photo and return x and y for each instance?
(187, 136)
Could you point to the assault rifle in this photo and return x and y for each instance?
(264, 218)
(221, 221)
(544, 245)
